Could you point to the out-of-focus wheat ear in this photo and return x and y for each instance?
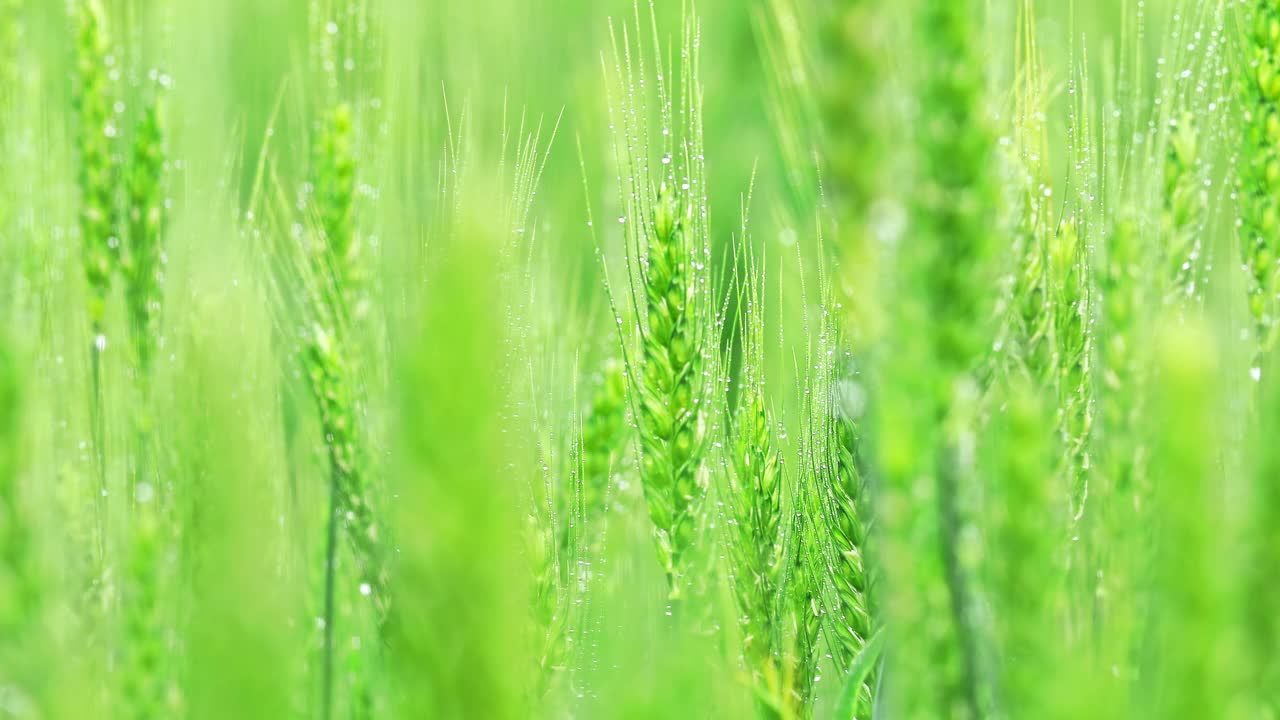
(99, 162)
(851, 87)
(145, 674)
(330, 358)
(331, 362)
(1260, 165)
(335, 182)
(1123, 460)
(604, 440)
(99, 221)
(942, 332)
(144, 259)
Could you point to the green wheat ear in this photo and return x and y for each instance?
(1260, 172)
(842, 509)
(673, 429)
(850, 619)
(757, 537)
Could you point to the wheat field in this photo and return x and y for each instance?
(779, 359)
